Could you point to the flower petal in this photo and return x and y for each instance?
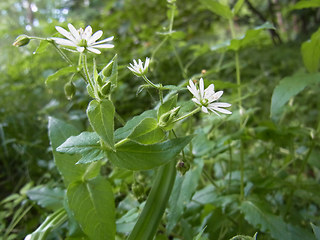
(204, 109)
(91, 49)
(64, 42)
(105, 40)
(195, 100)
(74, 32)
(80, 49)
(209, 91)
(65, 33)
(201, 88)
(87, 33)
(95, 37)
(102, 45)
(215, 96)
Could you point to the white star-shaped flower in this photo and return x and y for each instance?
(137, 67)
(82, 39)
(205, 98)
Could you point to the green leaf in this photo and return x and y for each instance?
(48, 198)
(42, 47)
(87, 144)
(237, 7)
(126, 130)
(289, 87)
(59, 132)
(147, 132)
(61, 72)
(310, 51)
(316, 231)
(101, 117)
(306, 4)
(251, 36)
(149, 220)
(218, 8)
(167, 105)
(135, 156)
(182, 192)
(92, 204)
(52, 222)
(268, 222)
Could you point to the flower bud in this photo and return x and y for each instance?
(182, 167)
(69, 90)
(167, 118)
(21, 40)
(107, 70)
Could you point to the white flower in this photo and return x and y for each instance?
(206, 98)
(82, 39)
(137, 67)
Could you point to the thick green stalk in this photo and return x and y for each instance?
(148, 222)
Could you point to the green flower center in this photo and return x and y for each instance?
(204, 102)
(83, 43)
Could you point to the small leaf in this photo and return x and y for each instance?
(147, 132)
(52, 222)
(237, 7)
(48, 198)
(306, 4)
(87, 144)
(42, 47)
(92, 204)
(101, 117)
(218, 8)
(251, 36)
(316, 231)
(289, 87)
(61, 72)
(135, 156)
(310, 51)
(167, 105)
(126, 130)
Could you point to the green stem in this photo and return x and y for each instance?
(238, 76)
(149, 82)
(121, 142)
(187, 115)
(148, 222)
(86, 72)
(179, 60)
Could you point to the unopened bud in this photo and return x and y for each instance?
(182, 167)
(69, 90)
(21, 40)
(167, 118)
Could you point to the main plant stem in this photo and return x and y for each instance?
(238, 76)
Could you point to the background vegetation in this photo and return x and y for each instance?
(272, 141)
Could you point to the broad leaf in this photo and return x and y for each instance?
(218, 8)
(87, 144)
(268, 222)
(59, 132)
(101, 117)
(124, 132)
(42, 47)
(147, 132)
(289, 87)
(48, 198)
(52, 222)
(310, 51)
(306, 4)
(135, 156)
(92, 204)
(61, 72)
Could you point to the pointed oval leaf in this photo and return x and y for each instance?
(135, 156)
(218, 8)
(101, 117)
(92, 204)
